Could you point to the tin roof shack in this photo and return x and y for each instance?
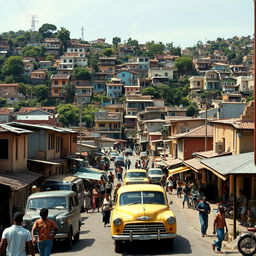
(49, 146)
(15, 181)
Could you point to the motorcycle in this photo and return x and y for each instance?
(194, 200)
(247, 242)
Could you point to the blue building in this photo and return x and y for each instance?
(126, 77)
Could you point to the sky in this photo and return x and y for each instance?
(183, 22)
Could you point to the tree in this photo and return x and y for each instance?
(46, 30)
(116, 40)
(13, 66)
(3, 102)
(172, 49)
(64, 35)
(41, 92)
(31, 51)
(88, 114)
(69, 91)
(154, 48)
(108, 52)
(192, 109)
(81, 73)
(150, 90)
(25, 103)
(100, 98)
(184, 65)
(68, 114)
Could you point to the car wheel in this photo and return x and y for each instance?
(69, 241)
(118, 246)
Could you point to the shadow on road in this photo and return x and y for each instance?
(136, 248)
(77, 246)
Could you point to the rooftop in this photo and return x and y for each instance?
(60, 76)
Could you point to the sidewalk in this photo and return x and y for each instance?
(193, 217)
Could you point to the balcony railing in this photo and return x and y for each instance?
(108, 130)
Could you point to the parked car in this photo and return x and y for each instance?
(142, 213)
(66, 182)
(155, 175)
(143, 154)
(135, 176)
(119, 161)
(113, 155)
(63, 209)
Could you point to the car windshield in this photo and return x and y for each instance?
(142, 197)
(114, 154)
(119, 158)
(157, 172)
(48, 202)
(49, 187)
(136, 175)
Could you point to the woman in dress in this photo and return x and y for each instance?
(106, 209)
(95, 199)
(87, 200)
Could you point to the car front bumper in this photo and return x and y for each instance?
(132, 237)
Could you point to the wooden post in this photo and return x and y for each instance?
(254, 73)
(234, 207)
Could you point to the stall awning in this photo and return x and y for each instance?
(178, 170)
(88, 175)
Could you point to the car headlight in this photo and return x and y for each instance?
(61, 220)
(117, 222)
(171, 220)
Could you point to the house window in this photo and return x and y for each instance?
(4, 149)
(101, 125)
(57, 144)
(63, 82)
(55, 82)
(56, 91)
(50, 141)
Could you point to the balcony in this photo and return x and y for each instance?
(108, 130)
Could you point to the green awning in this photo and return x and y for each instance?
(88, 175)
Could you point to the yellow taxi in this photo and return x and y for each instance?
(142, 212)
(135, 176)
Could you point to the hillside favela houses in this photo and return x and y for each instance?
(188, 111)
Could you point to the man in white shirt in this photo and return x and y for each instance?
(15, 238)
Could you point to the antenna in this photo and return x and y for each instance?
(82, 29)
(33, 23)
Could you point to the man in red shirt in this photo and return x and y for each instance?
(46, 229)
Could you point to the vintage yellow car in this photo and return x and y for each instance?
(142, 212)
(135, 176)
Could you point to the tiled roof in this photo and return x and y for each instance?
(60, 76)
(29, 109)
(9, 85)
(194, 163)
(236, 122)
(197, 132)
(5, 111)
(18, 180)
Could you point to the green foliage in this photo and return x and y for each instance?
(3, 102)
(47, 30)
(154, 48)
(49, 57)
(108, 52)
(81, 73)
(173, 50)
(99, 98)
(88, 114)
(150, 90)
(25, 103)
(192, 109)
(64, 35)
(116, 40)
(184, 65)
(68, 114)
(13, 66)
(69, 91)
(93, 61)
(41, 92)
(31, 51)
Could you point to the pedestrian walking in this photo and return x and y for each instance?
(95, 199)
(16, 238)
(111, 177)
(129, 164)
(136, 164)
(186, 192)
(87, 200)
(106, 209)
(46, 229)
(153, 164)
(126, 164)
(118, 185)
(204, 209)
(170, 185)
(108, 188)
(218, 227)
(179, 188)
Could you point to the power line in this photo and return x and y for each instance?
(23, 9)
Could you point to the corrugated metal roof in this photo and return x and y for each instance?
(42, 126)
(8, 128)
(194, 163)
(18, 180)
(233, 164)
(197, 132)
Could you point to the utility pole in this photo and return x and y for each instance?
(206, 121)
(254, 73)
(82, 29)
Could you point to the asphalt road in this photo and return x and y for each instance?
(96, 239)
